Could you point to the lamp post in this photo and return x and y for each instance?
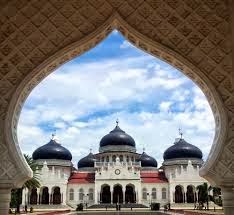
(148, 194)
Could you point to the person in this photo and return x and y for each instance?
(26, 209)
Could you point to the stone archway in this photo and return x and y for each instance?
(190, 194)
(105, 195)
(154, 48)
(33, 196)
(56, 196)
(179, 194)
(130, 194)
(195, 37)
(118, 194)
(45, 196)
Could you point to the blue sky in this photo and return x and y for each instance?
(82, 99)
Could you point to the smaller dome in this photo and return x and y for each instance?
(87, 161)
(182, 149)
(147, 161)
(52, 150)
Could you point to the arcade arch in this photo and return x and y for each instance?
(179, 194)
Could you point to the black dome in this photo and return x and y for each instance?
(182, 149)
(117, 137)
(87, 161)
(52, 150)
(147, 161)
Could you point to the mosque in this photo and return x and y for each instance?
(117, 174)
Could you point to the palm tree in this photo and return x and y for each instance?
(203, 196)
(16, 194)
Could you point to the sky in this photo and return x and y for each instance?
(82, 99)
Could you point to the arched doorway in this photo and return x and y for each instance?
(118, 194)
(45, 196)
(33, 196)
(130, 195)
(56, 196)
(190, 194)
(106, 194)
(179, 195)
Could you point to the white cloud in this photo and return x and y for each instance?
(82, 101)
(165, 106)
(125, 45)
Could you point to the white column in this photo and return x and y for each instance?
(139, 194)
(171, 196)
(97, 196)
(24, 197)
(50, 196)
(112, 192)
(63, 196)
(5, 197)
(228, 200)
(136, 196)
(124, 189)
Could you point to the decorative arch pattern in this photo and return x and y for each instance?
(193, 36)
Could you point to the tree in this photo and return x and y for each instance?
(16, 194)
(203, 190)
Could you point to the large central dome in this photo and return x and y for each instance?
(117, 138)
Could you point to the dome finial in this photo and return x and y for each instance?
(53, 136)
(90, 150)
(117, 122)
(143, 148)
(180, 133)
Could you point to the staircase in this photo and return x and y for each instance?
(104, 206)
(59, 207)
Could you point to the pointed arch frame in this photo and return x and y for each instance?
(140, 41)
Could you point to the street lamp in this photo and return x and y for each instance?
(148, 194)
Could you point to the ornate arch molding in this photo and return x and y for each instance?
(142, 42)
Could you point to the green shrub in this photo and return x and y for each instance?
(155, 206)
(80, 207)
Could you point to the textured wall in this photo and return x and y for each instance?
(193, 35)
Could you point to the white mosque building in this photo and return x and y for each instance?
(117, 174)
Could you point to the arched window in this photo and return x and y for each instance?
(127, 159)
(103, 159)
(107, 159)
(71, 194)
(114, 158)
(81, 194)
(121, 158)
(132, 159)
(154, 193)
(164, 193)
(90, 194)
(144, 193)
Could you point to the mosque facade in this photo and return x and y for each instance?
(116, 174)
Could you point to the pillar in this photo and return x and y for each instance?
(5, 197)
(124, 190)
(171, 196)
(112, 196)
(50, 196)
(97, 196)
(228, 200)
(185, 197)
(24, 197)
